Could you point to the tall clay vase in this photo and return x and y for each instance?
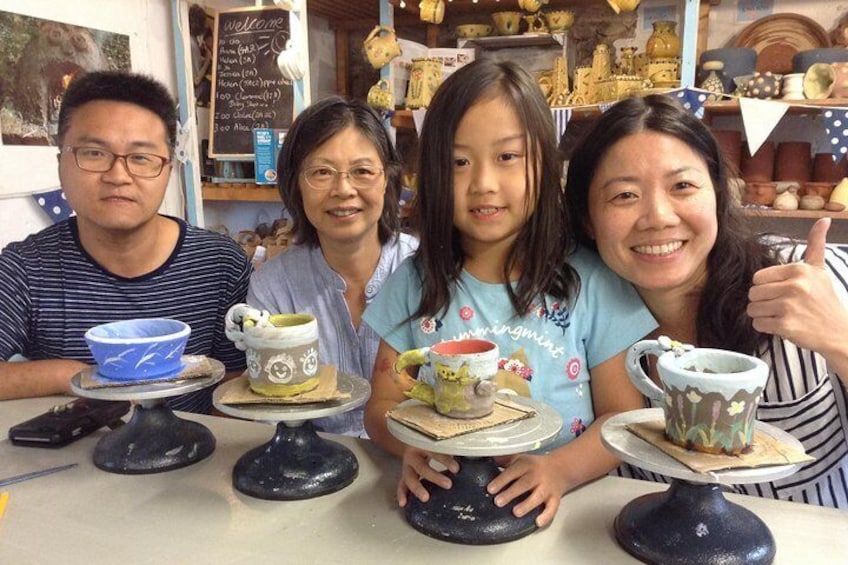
(730, 145)
(760, 166)
(825, 169)
(793, 161)
(663, 42)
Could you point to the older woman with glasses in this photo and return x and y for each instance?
(339, 179)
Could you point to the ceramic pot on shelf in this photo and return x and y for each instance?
(381, 46)
(840, 80)
(507, 23)
(730, 145)
(663, 42)
(793, 86)
(760, 193)
(758, 167)
(793, 161)
(738, 61)
(827, 169)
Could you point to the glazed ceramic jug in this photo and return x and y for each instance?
(531, 5)
(381, 46)
(619, 6)
(380, 96)
(425, 76)
(663, 42)
(432, 11)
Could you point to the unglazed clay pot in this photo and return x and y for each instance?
(823, 189)
(828, 169)
(760, 166)
(730, 144)
(759, 193)
(793, 161)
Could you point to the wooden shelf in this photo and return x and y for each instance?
(519, 40)
(731, 107)
(799, 214)
(241, 192)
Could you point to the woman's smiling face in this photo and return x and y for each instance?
(652, 212)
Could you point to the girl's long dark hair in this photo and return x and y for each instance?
(721, 320)
(543, 244)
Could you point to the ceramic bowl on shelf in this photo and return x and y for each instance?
(470, 31)
(507, 23)
(818, 81)
(143, 348)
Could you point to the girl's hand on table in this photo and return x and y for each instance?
(535, 475)
(416, 467)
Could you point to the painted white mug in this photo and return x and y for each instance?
(462, 375)
(281, 349)
(709, 396)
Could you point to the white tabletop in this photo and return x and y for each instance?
(193, 515)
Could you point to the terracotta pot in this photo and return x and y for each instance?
(825, 169)
(730, 145)
(840, 80)
(760, 193)
(793, 161)
(759, 167)
(823, 189)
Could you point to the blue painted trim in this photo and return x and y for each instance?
(689, 42)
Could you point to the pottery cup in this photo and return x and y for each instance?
(531, 5)
(507, 22)
(281, 349)
(381, 46)
(559, 20)
(144, 348)
(619, 6)
(461, 373)
(432, 11)
(709, 396)
(380, 96)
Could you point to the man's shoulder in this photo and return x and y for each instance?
(44, 245)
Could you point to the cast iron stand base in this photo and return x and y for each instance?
(466, 513)
(153, 441)
(295, 464)
(692, 524)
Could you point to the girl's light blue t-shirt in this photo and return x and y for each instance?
(550, 350)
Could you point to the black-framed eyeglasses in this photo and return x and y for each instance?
(323, 177)
(97, 160)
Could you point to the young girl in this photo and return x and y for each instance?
(494, 262)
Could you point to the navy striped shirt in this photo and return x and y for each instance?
(52, 291)
(806, 399)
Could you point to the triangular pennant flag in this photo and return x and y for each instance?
(54, 204)
(691, 98)
(604, 106)
(418, 119)
(759, 118)
(561, 118)
(836, 124)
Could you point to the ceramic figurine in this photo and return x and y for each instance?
(714, 82)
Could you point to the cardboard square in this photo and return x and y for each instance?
(426, 420)
(195, 367)
(239, 392)
(765, 451)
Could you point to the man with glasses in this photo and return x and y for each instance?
(118, 258)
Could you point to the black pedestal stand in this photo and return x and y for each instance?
(154, 440)
(296, 464)
(466, 513)
(691, 524)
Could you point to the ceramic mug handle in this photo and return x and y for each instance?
(413, 357)
(634, 367)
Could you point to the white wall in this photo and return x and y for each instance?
(148, 25)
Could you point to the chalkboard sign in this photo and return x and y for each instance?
(248, 90)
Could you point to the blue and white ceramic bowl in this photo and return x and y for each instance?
(133, 350)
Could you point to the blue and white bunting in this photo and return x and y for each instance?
(836, 125)
(54, 204)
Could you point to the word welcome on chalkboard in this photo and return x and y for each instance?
(248, 90)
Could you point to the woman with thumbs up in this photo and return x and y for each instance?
(649, 191)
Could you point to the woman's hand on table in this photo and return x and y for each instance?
(416, 467)
(534, 475)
